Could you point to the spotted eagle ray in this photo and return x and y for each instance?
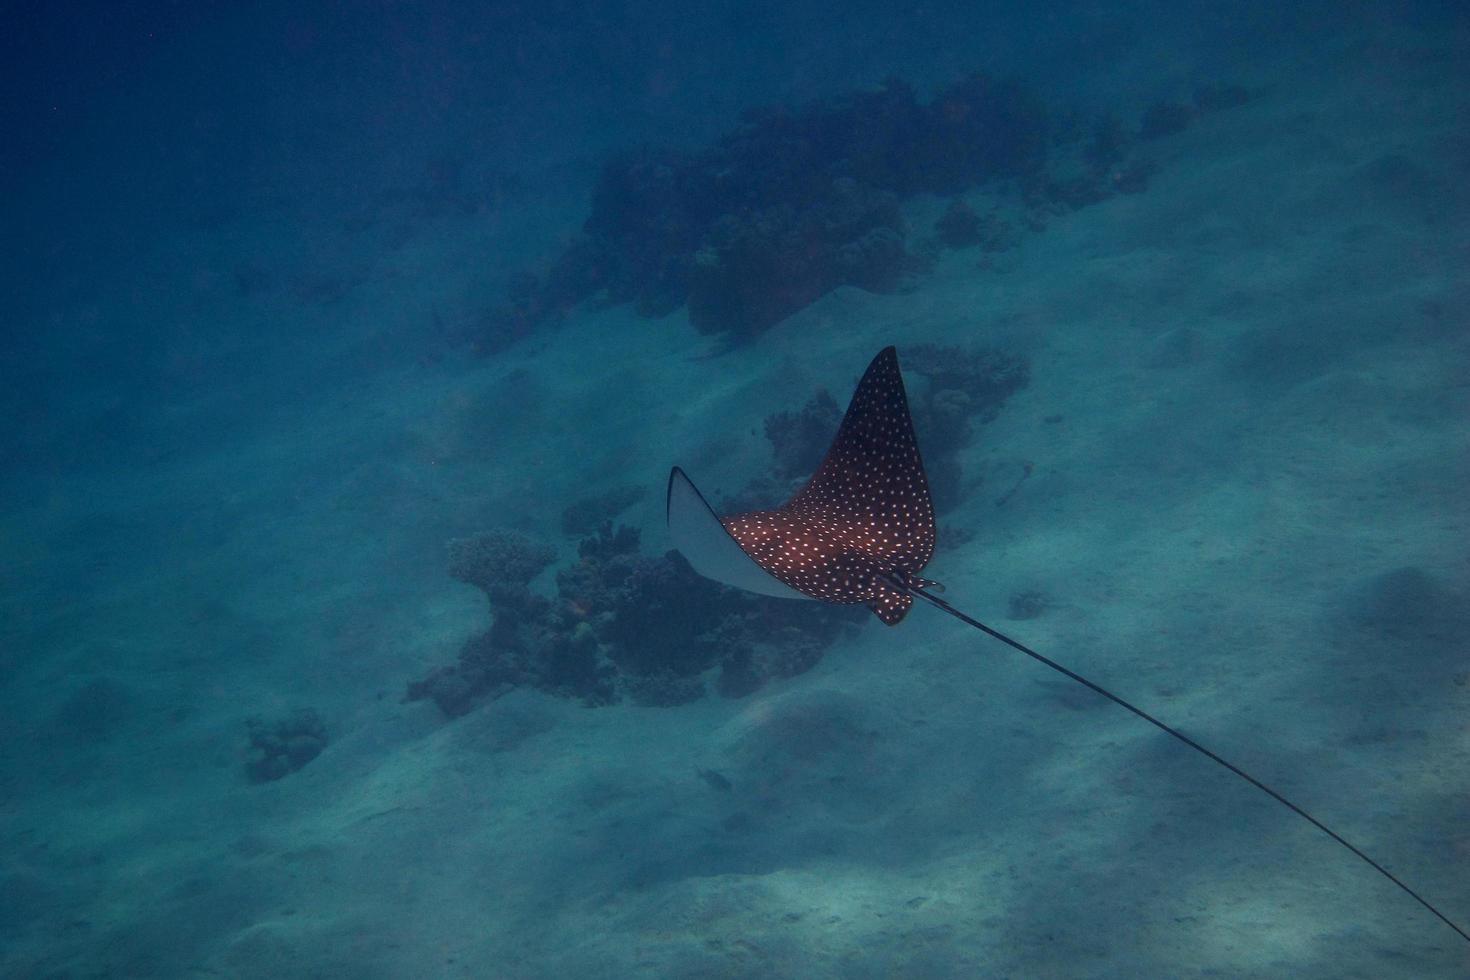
(861, 530)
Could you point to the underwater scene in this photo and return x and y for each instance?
(735, 489)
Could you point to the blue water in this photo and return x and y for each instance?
(334, 333)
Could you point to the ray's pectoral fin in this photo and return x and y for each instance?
(890, 604)
(864, 516)
(708, 547)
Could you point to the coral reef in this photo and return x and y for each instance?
(757, 267)
(280, 747)
(1165, 119)
(960, 386)
(622, 625)
(498, 561)
(800, 439)
(586, 515)
(958, 389)
(961, 226)
(797, 201)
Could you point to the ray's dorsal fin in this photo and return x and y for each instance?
(861, 530)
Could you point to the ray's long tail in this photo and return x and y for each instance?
(933, 600)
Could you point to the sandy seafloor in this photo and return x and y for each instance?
(1251, 519)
